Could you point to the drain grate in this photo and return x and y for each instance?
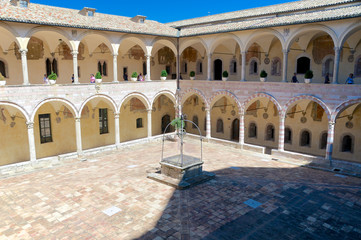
(111, 211)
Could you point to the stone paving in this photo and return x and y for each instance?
(252, 197)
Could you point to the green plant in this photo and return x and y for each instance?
(1, 77)
(163, 73)
(192, 74)
(177, 123)
(134, 75)
(309, 74)
(98, 75)
(225, 74)
(52, 76)
(263, 74)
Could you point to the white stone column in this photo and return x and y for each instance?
(243, 76)
(285, 65)
(31, 140)
(209, 67)
(208, 123)
(115, 68)
(79, 147)
(336, 65)
(24, 65)
(148, 67)
(75, 66)
(281, 135)
(149, 122)
(241, 129)
(117, 129)
(330, 137)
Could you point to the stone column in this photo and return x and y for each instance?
(285, 65)
(117, 130)
(79, 147)
(75, 66)
(330, 136)
(148, 67)
(209, 67)
(149, 122)
(336, 65)
(241, 129)
(281, 135)
(31, 140)
(243, 76)
(115, 68)
(24, 64)
(208, 123)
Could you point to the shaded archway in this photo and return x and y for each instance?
(235, 130)
(163, 112)
(194, 107)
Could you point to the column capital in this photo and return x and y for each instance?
(210, 55)
(207, 109)
(23, 51)
(243, 52)
(149, 110)
(116, 115)
(148, 55)
(77, 119)
(337, 49)
(285, 51)
(30, 125)
(74, 53)
(115, 54)
(331, 123)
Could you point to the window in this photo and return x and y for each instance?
(205, 124)
(288, 135)
(90, 13)
(195, 120)
(23, 3)
(219, 126)
(252, 131)
(103, 120)
(270, 133)
(199, 67)
(347, 144)
(103, 68)
(185, 67)
(358, 67)
(276, 67)
(328, 67)
(2, 68)
(253, 67)
(233, 67)
(323, 140)
(305, 139)
(139, 122)
(45, 128)
(51, 66)
(303, 65)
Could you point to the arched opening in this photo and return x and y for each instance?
(191, 106)
(219, 126)
(163, 112)
(288, 135)
(347, 144)
(195, 121)
(270, 133)
(3, 69)
(217, 69)
(252, 130)
(305, 139)
(235, 129)
(323, 140)
(303, 65)
(164, 124)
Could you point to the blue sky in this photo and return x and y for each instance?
(162, 11)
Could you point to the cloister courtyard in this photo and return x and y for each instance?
(108, 196)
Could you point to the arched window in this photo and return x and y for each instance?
(323, 140)
(252, 131)
(305, 139)
(219, 126)
(233, 66)
(55, 67)
(205, 124)
(2, 68)
(347, 144)
(358, 67)
(195, 120)
(327, 66)
(103, 68)
(303, 65)
(270, 133)
(144, 68)
(276, 67)
(199, 67)
(100, 69)
(165, 122)
(253, 67)
(288, 135)
(48, 66)
(184, 67)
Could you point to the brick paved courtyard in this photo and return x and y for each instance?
(252, 197)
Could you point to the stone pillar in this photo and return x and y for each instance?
(281, 135)
(209, 67)
(243, 76)
(241, 129)
(75, 66)
(79, 147)
(208, 123)
(24, 64)
(115, 68)
(149, 122)
(117, 130)
(31, 140)
(330, 136)
(285, 65)
(148, 67)
(336, 65)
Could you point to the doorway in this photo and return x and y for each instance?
(235, 129)
(218, 69)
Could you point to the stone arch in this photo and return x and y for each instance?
(18, 107)
(223, 37)
(259, 33)
(189, 92)
(107, 41)
(262, 95)
(225, 93)
(47, 100)
(165, 42)
(189, 42)
(103, 96)
(138, 95)
(342, 107)
(348, 32)
(137, 40)
(11, 31)
(167, 93)
(307, 97)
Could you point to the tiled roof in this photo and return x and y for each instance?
(297, 18)
(261, 11)
(55, 16)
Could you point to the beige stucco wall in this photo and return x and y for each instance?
(162, 106)
(191, 108)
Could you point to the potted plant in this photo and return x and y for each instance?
(52, 78)
(98, 77)
(225, 76)
(308, 76)
(2, 80)
(192, 75)
(134, 76)
(163, 75)
(263, 76)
